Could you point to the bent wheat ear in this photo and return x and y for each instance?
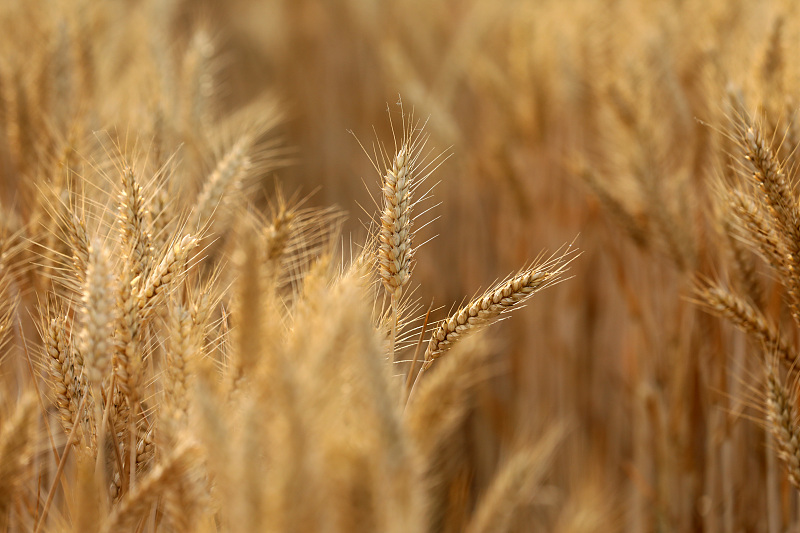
(502, 298)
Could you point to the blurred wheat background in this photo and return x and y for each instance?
(232, 233)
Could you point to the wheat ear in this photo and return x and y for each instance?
(133, 219)
(63, 381)
(782, 207)
(500, 299)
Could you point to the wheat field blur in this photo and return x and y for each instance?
(399, 265)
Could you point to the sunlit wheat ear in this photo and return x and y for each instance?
(198, 84)
(79, 241)
(294, 236)
(783, 420)
(59, 361)
(502, 298)
(408, 169)
(183, 347)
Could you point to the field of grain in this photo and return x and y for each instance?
(399, 266)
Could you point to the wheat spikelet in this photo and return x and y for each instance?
(248, 331)
(743, 260)
(80, 246)
(183, 348)
(502, 298)
(198, 80)
(145, 446)
(160, 216)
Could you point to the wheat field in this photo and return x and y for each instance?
(399, 265)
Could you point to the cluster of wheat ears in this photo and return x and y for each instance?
(192, 340)
(207, 364)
